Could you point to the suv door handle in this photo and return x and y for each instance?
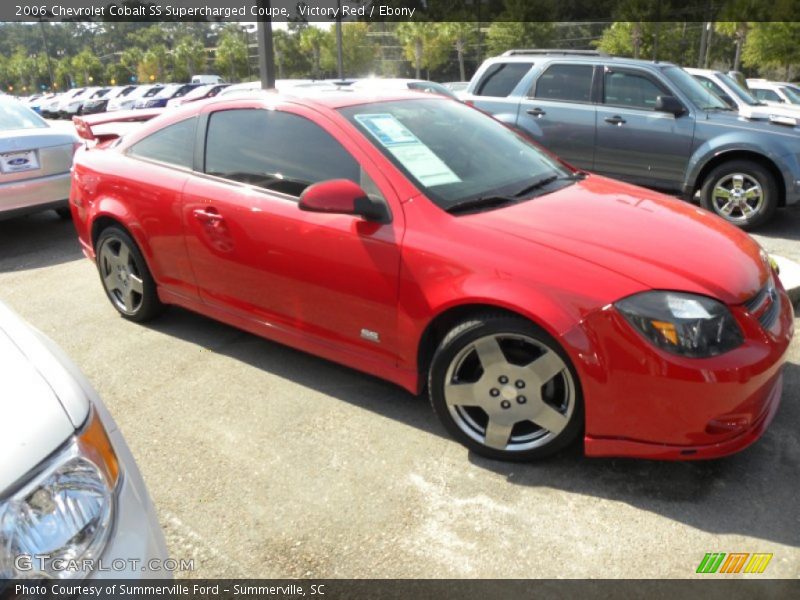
(536, 112)
(615, 120)
(207, 215)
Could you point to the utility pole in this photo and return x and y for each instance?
(266, 54)
(339, 59)
(47, 53)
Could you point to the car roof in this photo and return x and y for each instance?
(578, 58)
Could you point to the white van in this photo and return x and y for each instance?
(206, 79)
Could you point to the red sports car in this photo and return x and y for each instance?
(421, 241)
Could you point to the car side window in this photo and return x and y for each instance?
(711, 86)
(173, 144)
(500, 79)
(275, 150)
(570, 83)
(621, 88)
(768, 95)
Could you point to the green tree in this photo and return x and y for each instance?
(425, 45)
(312, 41)
(231, 54)
(773, 45)
(358, 51)
(155, 64)
(462, 35)
(189, 58)
(506, 35)
(87, 68)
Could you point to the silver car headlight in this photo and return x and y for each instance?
(65, 512)
(686, 324)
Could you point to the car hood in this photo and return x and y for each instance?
(656, 240)
(25, 139)
(734, 119)
(40, 403)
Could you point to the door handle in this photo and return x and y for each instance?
(536, 112)
(207, 215)
(615, 120)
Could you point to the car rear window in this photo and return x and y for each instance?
(500, 79)
(571, 83)
(15, 116)
(173, 145)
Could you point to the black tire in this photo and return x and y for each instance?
(517, 339)
(119, 272)
(751, 172)
(64, 213)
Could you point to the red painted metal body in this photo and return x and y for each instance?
(315, 281)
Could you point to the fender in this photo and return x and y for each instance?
(111, 207)
(735, 141)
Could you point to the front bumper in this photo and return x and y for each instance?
(643, 402)
(33, 195)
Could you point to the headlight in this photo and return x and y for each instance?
(681, 323)
(65, 511)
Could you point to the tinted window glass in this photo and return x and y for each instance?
(173, 144)
(710, 86)
(768, 95)
(630, 89)
(501, 79)
(572, 83)
(274, 150)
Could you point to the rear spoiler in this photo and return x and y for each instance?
(84, 124)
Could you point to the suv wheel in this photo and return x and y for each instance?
(742, 192)
(505, 389)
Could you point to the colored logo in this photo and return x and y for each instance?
(735, 562)
(18, 162)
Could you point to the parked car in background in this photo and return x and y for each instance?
(649, 123)
(50, 108)
(168, 92)
(201, 92)
(100, 103)
(459, 88)
(36, 104)
(415, 85)
(70, 489)
(206, 79)
(740, 99)
(71, 107)
(35, 162)
(774, 93)
(421, 241)
(129, 101)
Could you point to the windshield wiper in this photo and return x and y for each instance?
(482, 202)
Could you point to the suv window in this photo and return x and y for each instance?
(630, 89)
(711, 86)
(768, 95)
(500, 79)
(572, 83)
(173, 144)
(275, 150)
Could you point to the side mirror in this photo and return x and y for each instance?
(343, 197)
(669, 104)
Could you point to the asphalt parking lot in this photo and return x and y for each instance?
(264, 461)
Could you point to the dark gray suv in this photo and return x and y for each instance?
(648, 123)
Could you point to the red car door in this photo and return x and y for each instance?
(256, 254)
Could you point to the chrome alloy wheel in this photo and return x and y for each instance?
(121, 277)
(509, 392)
(737, 197)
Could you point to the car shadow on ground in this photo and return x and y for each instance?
(36, 241)
(753, 493)
(785, 225)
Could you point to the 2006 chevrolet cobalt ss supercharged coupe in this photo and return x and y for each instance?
(419, 240)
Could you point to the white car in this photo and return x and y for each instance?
(774, 93)
(418, 85)
(69, 107)
(734, 95)
(72, 501)
(128, 102)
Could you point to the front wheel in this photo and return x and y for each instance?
(742, 192)
(505, 389)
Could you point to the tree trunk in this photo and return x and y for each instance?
(637, 39)
(418, 57)
(703, 41)
(460, 50)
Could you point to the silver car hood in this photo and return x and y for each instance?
(41, 403)
(26, 139)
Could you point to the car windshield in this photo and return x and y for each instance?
(168, 91)
(737, 89)
(200, 91)
(793, 96)
(15, 116)
(455, 154)
(155, 90)
(697, 94)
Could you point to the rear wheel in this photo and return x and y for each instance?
(742, 192)
(125, 276)
(505, 389)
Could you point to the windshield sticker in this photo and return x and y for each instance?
(415, 156)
